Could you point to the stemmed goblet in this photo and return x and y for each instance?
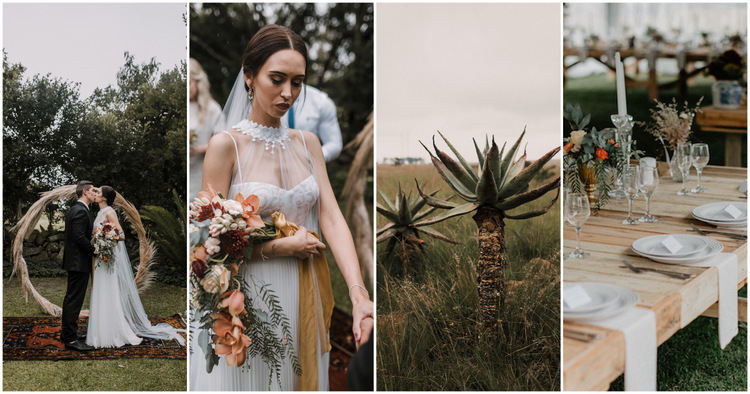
(682, 155)
(699, 157)
(577, 211)
(630, 187)
(648, 180)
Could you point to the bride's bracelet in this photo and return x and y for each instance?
(360, 286)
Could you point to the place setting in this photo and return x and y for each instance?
(699, 251)
(615, 307)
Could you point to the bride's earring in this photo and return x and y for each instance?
(251, 93)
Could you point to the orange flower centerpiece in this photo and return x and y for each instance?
(222, 235)
(587, 154)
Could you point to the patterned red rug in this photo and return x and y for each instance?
(38, 338)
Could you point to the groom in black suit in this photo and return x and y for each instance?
(77, 261)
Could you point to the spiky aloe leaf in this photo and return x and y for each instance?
(521, 180)
(515, 168)
(434, 202)
(455, 168)
(390, 215)
(480, 155)
(388, 203)
(492, 162)
(523, 198)
(511, 155)
(486, 188)
(424, 214)
(404, 214)
(385, 227)
(419, 203)
(436, 234)
(532, 214)
(391, 232)
(457, 211)
(454, 183)
(460, 158)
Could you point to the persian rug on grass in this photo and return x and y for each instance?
(38, 338)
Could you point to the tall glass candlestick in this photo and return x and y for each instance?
(624, 137)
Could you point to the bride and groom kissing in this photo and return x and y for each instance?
(116, 316)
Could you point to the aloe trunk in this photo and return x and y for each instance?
(491, 264)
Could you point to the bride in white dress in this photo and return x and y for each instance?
(116, 315)
(286, 170)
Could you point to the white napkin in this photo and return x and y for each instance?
(727, 265)
(639, 327)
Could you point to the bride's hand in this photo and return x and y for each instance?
(362, 317)
(301, 245)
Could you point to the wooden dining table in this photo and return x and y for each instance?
(594, 365)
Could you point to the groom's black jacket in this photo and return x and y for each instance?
(78, 248)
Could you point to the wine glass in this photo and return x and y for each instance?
(577, 211)
(682, 155)
(699, 156)
(648, 180)
(630, 187)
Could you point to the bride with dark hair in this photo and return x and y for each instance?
(116, 315)
(286, 170)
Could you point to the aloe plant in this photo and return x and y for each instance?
(405, 223)
(501, 184)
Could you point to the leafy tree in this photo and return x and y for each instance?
(41, 118)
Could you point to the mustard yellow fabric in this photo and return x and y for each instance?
(315, 319)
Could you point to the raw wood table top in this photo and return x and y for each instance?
(593, 366)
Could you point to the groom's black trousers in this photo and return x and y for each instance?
(71, 307)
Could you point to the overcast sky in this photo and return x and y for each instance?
(467, 70)
(86, 42)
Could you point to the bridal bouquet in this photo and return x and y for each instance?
(222, 234)
(104, 239)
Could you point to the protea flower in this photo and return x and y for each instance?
(405, 223)
(501, 184)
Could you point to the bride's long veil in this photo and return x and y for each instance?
(237, 106)
(132, 308)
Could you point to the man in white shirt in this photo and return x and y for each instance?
(314, 111)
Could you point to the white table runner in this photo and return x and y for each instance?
(639, 327)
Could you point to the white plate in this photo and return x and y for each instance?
(691, 244)
(714, 212)
(602, 296)
(732, 225)
(713, 247)
(626, 298)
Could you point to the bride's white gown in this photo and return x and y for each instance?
(275, 165)
(116, 315)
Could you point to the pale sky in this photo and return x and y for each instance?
(86, 42)
(467, 70)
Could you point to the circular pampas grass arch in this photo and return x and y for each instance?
(26, 225)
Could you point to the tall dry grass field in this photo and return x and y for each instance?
(430, 335)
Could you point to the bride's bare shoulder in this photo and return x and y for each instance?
(311, 140)
(223, 142)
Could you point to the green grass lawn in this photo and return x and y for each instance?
(430, 335)
(596, 94)
(93, 375)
